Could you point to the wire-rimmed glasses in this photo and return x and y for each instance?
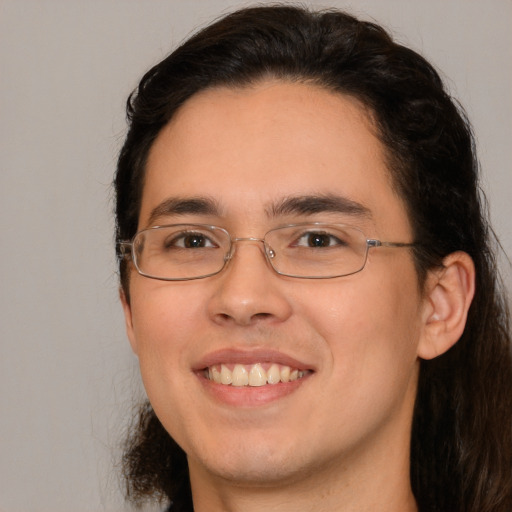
(180, 252)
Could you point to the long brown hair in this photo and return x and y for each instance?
(461, 444)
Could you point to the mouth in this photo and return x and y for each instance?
(252, 375)
(254, 378)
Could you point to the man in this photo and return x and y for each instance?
(306, 277)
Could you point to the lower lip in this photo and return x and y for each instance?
(251, 396)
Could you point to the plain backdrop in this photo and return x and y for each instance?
(67, 376)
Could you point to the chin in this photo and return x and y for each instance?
(255, 464)
(255, 473)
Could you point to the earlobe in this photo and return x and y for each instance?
(448, 295)
(128, 319)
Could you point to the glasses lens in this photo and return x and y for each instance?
(184, 251)
(317, 250)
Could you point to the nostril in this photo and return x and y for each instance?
(261, 315)
(225, 318)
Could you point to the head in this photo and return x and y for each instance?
(426, 146)
(402, 92)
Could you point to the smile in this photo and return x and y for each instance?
(253, 375)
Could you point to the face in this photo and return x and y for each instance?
(241, 155)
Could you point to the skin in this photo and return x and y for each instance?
(339, 438)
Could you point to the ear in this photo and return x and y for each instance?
(128, 319)
(448, 295)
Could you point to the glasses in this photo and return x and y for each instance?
(181, 252)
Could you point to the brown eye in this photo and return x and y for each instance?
(192, 241)
(318, 240)
(189, 241)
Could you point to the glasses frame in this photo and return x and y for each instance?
(126, 249)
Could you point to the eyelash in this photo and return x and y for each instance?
(171, 242)
(319, 234)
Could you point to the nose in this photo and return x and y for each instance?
(248, 291)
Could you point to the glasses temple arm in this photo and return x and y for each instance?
(377, 243)
(124, 248)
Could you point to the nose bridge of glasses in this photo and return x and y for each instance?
(267, 250)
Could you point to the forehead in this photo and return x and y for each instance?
(256, 146)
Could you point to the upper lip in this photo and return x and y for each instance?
(248, 357)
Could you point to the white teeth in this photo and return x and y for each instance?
(285, 373)
(273, 374)
(215, 375)
(252, 375)
(240, 376)
(226, 377)
(257, 376)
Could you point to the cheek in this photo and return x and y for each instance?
(366, 321)
(165, 318)
(369, 332)
(167, 325)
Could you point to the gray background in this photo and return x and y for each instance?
(67, 377)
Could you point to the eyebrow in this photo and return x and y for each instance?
(323, 203)
(184, 206)
(294, 205)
